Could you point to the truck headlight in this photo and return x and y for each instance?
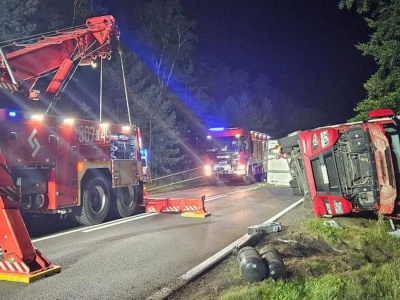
(207, 170)
(241, 167)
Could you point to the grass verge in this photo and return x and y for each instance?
(358, 260)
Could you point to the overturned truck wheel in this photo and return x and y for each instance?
(95, 202)
(125, 202)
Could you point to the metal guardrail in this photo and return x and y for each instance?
(184, 178)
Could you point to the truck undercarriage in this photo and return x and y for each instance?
(346, 168)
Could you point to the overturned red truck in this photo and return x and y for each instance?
(346, 168)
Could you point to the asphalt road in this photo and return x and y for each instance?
(132, 258)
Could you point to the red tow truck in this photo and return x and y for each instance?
(58, 164)
(236, 154)
(345, 168)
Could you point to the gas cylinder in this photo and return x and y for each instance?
(252, 267)
(277, 269)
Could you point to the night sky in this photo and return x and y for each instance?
(306, 48)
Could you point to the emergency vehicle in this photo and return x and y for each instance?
(236, 154)
(61, 165)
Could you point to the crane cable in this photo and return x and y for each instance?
(126, 92)
(123, 78)
(101, 89)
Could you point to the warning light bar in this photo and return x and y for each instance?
(381, 113)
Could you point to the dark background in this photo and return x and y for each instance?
(306, 48)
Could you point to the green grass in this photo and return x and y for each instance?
(363, 263)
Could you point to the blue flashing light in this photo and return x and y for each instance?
(216, 129)
(143, 152)
(12, 113)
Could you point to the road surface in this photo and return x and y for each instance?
(132, 258)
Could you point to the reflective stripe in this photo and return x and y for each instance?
(18, 267)
(8, 86)
(190, 207)
(8, 190)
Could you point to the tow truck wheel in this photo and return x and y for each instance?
(95, 202)
(126, 199)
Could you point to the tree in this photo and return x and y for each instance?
(383, 88)
(221, 81)
(15, 18)
(240, 111)
(158, 125)
(169, 38)
(114, 90)
(82, 9)
(163, 41)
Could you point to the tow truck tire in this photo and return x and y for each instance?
(125, 202)
(95, 202)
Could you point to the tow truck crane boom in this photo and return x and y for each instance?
(20, 69)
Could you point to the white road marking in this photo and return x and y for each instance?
(96, 227)
(125, 220)
(212, 198)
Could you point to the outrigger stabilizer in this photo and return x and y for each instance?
(21, 262)
(192, 208)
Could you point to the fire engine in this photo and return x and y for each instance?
(61, 165)
(349, 167)
(236, 154)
